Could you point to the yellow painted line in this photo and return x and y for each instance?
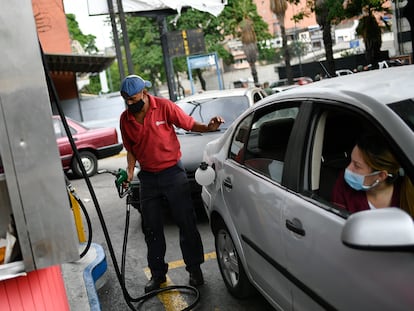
(210, 256)
(173, 300)
(120, 155)
(180, 263)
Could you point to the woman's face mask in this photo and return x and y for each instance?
(356, 181)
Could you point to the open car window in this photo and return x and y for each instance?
(261, 143)
(335, 133)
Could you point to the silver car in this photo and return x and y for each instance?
(228, 104)
(269, 205)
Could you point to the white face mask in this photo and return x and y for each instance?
(356, 181)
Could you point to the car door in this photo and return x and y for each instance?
(255, 198)
(328, 275)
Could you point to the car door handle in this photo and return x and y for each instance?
(295, 225)
(227, 183)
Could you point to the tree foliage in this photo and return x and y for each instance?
(368, 27)
(332, 12)
(144, 36)
(239, 19)
(145, 45)
(279, 7)
(87, 42)
(238, 10)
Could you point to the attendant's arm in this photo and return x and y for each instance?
(131, 165)
(212, 126)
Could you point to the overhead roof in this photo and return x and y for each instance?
(78, 63)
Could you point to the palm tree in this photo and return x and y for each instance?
(249, 42)
(279, 8)
(240, 19)
(368, 27)
(324, 21)
(370, 32)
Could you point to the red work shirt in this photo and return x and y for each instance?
(154, 143)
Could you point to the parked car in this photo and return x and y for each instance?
(228, 104)
(283, 88)
(269, 205)
(343, 72)
(92, 143)
(285, 82)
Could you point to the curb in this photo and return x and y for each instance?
(92, 273)
(80, 278)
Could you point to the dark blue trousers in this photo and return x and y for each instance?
(170, 187)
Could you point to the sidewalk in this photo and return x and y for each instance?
(82, 279)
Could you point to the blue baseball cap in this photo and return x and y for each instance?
(134, 84)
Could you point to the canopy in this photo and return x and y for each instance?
(214, 7)
(78, 63)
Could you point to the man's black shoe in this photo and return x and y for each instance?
(155, 283)
(196, 278)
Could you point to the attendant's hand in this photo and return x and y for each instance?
(215, 123)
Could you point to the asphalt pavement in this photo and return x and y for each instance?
(213, 294)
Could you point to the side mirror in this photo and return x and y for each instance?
(379, 229)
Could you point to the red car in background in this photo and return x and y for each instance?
(92, 143)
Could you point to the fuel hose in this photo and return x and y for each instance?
(120, 273)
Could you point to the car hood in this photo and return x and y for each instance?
(192, 148)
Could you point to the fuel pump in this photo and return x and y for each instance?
(32, 184)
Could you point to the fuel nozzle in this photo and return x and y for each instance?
(121, 177)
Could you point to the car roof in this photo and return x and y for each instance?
(382, 86)
(284, 87)
(220, 93)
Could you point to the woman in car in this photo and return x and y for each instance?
(373, 179)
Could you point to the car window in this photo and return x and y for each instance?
(257, 96)
(229, 108)
(405, 109)
(264, 141)
(239, 139)
(60, 129)
(335, 133)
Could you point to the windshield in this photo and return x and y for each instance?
(229, 108)
(405, 109)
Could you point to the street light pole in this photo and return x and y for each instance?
(116, 40)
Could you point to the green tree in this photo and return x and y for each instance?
(368, 27)
(212, 28)
(249, 41)
(241, 20)
(86, 41)
(213, 37)
(145, 44)
(328, 13)
(279, 7)
(88, 45)
(144, 36)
